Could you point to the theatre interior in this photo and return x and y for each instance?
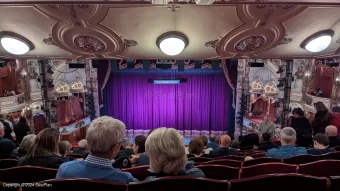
(216, 71)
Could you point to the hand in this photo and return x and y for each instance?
(134, 159)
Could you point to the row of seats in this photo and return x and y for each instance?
(277, 182)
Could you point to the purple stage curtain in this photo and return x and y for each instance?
(198, 107)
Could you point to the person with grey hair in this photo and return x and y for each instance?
(7, 127)
(267, 126)
(6, 145)
(251, 139)
(104, 138)
(82, 144)
(25, 144)
(288, 137)
(167, 154)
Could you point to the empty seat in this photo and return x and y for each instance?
(220, 172)
(8, 163)
(77, 184)
(232, 157)
(258, 155)
(260, 161)
(300, 159)
(26, 174)
(139, 172)
(267, 168)
(225, 162)
(178, 183)
(322, 168)
(280, 182)
(200, 159)
(335, 183)
(334, 156)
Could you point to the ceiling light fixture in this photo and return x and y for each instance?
(14, 43)
(172, 43)
(318, 41)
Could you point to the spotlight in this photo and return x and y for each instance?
(14, 43)
(318, 41)
(280, 70)
(172, 43)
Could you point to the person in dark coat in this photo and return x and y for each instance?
(331, 133)
(251, 139)
(224, 149)
(7, 127)
(266, 144)
(21, 129)
(321, 144)
(302, 127)
(6, 145)
(322, 118)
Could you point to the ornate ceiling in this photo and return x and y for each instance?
(220, 30)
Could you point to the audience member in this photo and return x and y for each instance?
(319, 93)
(144, 158)
(251, 139)
(248, 158)
(21, 129)
(81, 147)
(288, 137)
(104, 138)
(64, 148)
(126, 149)
(7, 127)
(44, 150)
(205, 143)
(234, 145)
(302, 127)
(25, 144)
(167, 154)
(196, 148)
(321, 119)
(321, 144)
(266, 126)
(6, 145)
(138, 148)
(212, 142)
(223, 149)
(331, 133)
(266, 144)
(335, 118)
(9, 122)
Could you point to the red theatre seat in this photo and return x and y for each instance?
(220, 172)
(267, 168)
(82, 184)
(335, 183)
(225, 162)
(322, 168)
(178, 183)
(239, 158)
(334, 156)
(200, 159)
(260, 161)
(8, 163)
(258, 155)
(300, 159)
(139, 172)
(280, 182)
(26, 174)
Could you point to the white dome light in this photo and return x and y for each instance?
(172, 43)
(15, 44)
(318, 41)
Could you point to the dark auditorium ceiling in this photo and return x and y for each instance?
(215, 29)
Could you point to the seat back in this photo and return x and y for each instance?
(333, 155)
(335, 183)
(225, 162)
(83, 184)
(178, 183)
(280, 182)
(258, 155)
(200, 159)
(300, 159)
(139, 172)
(220, 172)
(260, 161)
(337, 148)
(321, 168)
(27, 174)
(238, 158)
(8, 163)
(267, 168)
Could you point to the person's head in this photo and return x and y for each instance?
(22, 120)
(196, 146)
(82, 143)
(331, 131)
(2, 130)
(204, 139)
(266, 118)
(250, 129)
(266, 137)
(248, 158)
(139, 144)
(64, 147)
(104, 137)
(320, 141)
(127, 144)
(212, 138)
(298, 112)
(46, 143)
(3, 116)
(225, 141)
(235, 145)
(166, 151)
(336, 109)
(319, 106)
(26, 143)
(288, 136)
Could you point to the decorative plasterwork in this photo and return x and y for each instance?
(250, 43)
(49, 41)
(89, 43)
(129, 42)
(213, 43)
(173, 8)
(285, 40)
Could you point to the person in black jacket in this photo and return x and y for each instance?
(266, 143)
(331, 133)
(21, 129)
(6, 145)
(224, 149)
(44, 152)
(251, 139)
(7, 127)
(321, 144)
(322, 118)
(302, 127)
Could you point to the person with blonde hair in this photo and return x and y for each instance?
(25, 144)
(104, 139)
(167, 156)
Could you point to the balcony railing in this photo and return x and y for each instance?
(12, 103)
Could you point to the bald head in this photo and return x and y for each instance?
(331, 131)
(225, 141)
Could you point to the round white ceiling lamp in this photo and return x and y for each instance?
(318, 41)
(14, 43)
(172, 43)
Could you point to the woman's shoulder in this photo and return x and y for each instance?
(196, 172)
